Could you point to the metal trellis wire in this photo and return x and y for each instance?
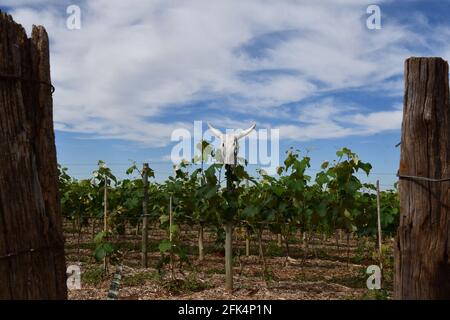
(407, 177)
(9, 77)
(30, 250)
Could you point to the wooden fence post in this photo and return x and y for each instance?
(201, 248)
(32, 262)
(247, 243)
(145, 216)
(380, 239)
(229, 234)
(279, 240)
(172, 267)
(105, 206)
(422, 250)
(105, 220)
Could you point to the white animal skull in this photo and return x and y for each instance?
(230, 143)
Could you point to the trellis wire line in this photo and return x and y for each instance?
(110, 164)
(407, 177)
(241, 222)
(31, 250)
(160, 162)
(158, 172)
(246, 223)
(8, 77)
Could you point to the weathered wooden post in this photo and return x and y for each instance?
(105, 206)
(279, 240)
(105, 220)
(145, 216)
(247, 243)
(32, 263)
(422, 251)
(229, 233)
(201, 248)
(172, 261)
(380, 238)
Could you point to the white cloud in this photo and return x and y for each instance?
(136, 63)
(376, 122)
(330, 119)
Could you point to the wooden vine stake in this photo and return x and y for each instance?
(422, 250)
(247, 243)
(229, 236)
(229, 256)
(201, 249)
(247, 232)
(105, 220)
(172, 267)
(145, 216)
(380, 239)
(32, 262)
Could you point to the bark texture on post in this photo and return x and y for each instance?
(32, 263)
(247, 244)
(422, 251)
(201, 249)
(229, 257)
(145, 216)
(229, 231)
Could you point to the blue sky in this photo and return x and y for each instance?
(137, 70)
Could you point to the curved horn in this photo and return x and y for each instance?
(215, 131)
(246, 132)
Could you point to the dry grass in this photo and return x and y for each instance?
(321, 273)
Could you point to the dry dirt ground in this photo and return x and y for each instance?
(318, 271)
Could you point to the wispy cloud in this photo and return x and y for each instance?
(330, 119)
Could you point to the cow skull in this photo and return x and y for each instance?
(230, 143)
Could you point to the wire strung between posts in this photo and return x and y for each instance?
(18, 78)
(31, 250)
(400, 176)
